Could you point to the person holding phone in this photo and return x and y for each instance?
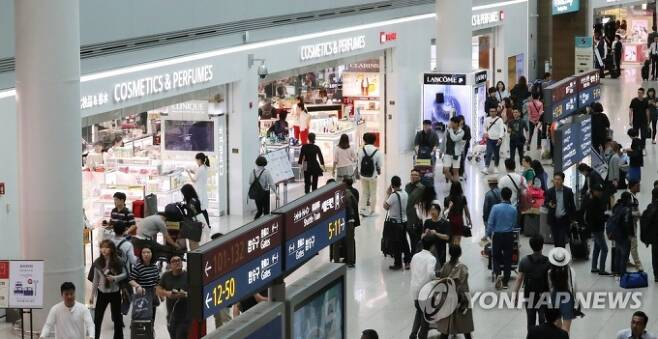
(174, 286)
(561, 209)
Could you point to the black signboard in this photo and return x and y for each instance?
(573, 142)
(561, 99)
(235, 266)
(312, 223)
(444, 79)
(480, 77)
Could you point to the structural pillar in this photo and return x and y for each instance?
(48, 106)
(453, 35)
(244, 145)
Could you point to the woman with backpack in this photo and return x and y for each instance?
(562, 286)
(109, 271)
(192, 210)
(260, 183)
(200, 180)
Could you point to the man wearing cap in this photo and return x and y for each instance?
(594, 207)
(491, 198)
(500, 228)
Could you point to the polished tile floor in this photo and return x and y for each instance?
(379, 299)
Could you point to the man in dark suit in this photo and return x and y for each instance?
(550, 329)
(561, 209)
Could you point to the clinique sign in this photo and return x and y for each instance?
(329, 48)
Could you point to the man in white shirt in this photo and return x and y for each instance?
(514, 181)
(396, 205)
(69, 319)
(637, 329)
(494, 131)
(369, 163)
(423, 266)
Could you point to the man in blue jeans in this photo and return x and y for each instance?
(594, 207)
(494, 131)
(500, 228)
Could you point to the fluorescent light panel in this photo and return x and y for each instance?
(256, 45)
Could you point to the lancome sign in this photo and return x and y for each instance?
(335, 47)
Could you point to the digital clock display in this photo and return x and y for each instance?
(304, 246)
(241, 283)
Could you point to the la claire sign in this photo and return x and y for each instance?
(335, 47)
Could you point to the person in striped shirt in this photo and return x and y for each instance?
(121, 215)
(145, 276)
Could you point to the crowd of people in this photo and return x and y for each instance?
(423, 233)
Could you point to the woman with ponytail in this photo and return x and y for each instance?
(200, 180)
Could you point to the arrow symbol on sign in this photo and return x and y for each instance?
(208, 268)
(208, 300)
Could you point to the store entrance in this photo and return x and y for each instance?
(342, 97)
(149, 152)
(632, 22)
(484, 53)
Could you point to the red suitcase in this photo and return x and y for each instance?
(138, 208)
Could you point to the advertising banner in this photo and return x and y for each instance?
(278, 163)
(21, 284)
(565, 6)
(584, 54)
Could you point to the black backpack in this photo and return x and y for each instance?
(648, 225)
(536, 280)
(256, 190)
(174, 212)
(367, 164)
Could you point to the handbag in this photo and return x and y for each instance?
(467, 231)
(191, 229)
(633, 280)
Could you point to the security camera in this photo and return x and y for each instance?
(262, 71)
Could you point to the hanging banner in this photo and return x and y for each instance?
(584, 54)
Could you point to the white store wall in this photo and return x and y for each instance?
(408, 58)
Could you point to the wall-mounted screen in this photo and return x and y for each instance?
(192, 136)
(321, 316)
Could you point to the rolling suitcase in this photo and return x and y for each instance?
(150, 205)
(578, 242)
(138, 208)
(530, 224)
(544, 228)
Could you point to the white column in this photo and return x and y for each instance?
(243, 141)
(48, 105)
(453, 35)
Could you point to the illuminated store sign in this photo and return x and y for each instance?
(565, 6)
(161, 83)
(487, 18)
(329, 48)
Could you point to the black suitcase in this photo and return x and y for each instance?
(141, 329)
(578, 242)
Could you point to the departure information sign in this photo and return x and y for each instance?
(235, 266)
(312, 223)
(589, 88)
(573, 142)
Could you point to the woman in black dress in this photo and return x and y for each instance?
(310, 157)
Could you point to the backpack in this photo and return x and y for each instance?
(367, 164)
(123, 257)
(647, 223)
(536, 280)
(256, 190)
(613, 227)
(174, 212)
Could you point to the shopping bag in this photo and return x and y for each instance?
(633, 280)
(143, 306)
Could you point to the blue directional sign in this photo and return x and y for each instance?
(304, 246)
